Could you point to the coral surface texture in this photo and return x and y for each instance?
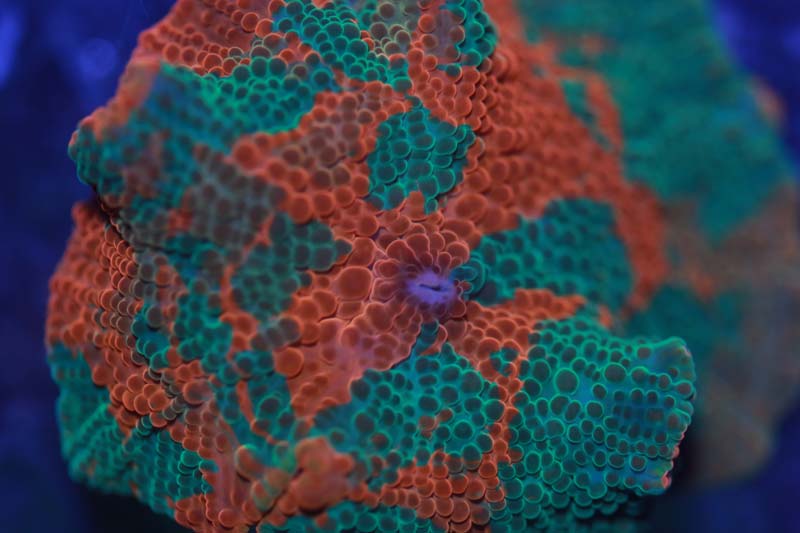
(423, 265)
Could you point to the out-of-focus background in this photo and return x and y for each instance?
(60, 59)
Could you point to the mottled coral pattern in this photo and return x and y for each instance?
(695, 135)
(365, 265)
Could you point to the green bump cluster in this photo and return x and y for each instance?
(480, 37)
(391, 414)
(266, 95)
(705, 325)
(151, 344)
(202, 335)
(265, 281)
(390, 23)
(272, 411)
(706, 124)
(416, 151)
(600, 418)
(359, 518)
(84, 417)
(333, 31)
(572, 249)
(100, 455)
(182, 112)
(575, 94)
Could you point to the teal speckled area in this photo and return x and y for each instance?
(691, 127)
(415, 151)
(333, 31)
(358, 518)
(599, 417)
(269, 275)
(102, 456)
(575, 93)
(479, 34)
(705, 325)
(387, 410)
(271, 413)
(151, 343)
(184, 119)
(267, 95)
(202, 335)
(572, 249)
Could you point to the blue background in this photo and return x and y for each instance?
(60, 59)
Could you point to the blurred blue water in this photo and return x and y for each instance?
(60, 59)
(765, 36)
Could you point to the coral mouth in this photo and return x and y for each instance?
(432, 289)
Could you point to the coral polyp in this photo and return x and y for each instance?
(368, 266)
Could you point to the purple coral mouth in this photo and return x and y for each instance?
(432, 289)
